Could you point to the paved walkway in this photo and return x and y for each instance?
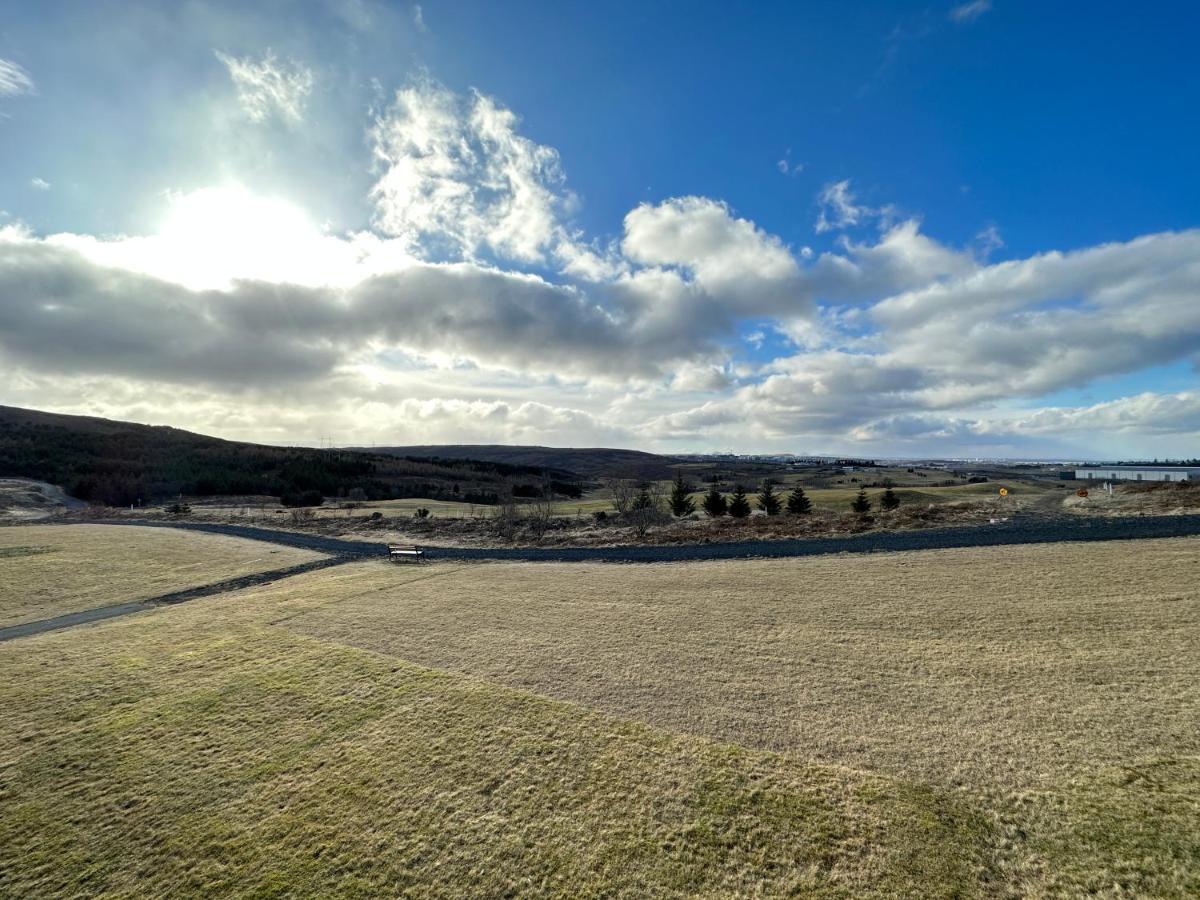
(1028, 530)
(87, 616)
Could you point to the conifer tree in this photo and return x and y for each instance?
(861, 504)
(644, 499)
(768, 500)
(680, 502)
(889, 500)
(798, 503)
(739, 506)
(714, 504)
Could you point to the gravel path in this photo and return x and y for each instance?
(1015, 531)
(87, 616)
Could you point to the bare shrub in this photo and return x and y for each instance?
(540, 513)
(624, 491)
(647, 508)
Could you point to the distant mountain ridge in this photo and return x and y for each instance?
(586, 462)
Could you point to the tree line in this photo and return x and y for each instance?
(715, 504)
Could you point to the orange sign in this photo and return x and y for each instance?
(1082, 492)
(1003, 492)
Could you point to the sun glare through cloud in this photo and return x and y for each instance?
(408, 218)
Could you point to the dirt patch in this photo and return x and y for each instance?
(23, 500)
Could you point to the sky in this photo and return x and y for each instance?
(945, 229)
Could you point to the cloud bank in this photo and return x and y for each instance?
(475, 309)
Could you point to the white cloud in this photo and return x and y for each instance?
(14, 80)
(903, 258)
(1055, 320)
(922, 362)
(453, 313)
(838, 208)
(787, 167)
(988, 241)
(1143, 414)
(39, 184)
(484, 421)
(1140, 415)
(966, 13)
(457, 178)
(270, 86)
(728, 257)
(956, 339)
(63, 312)
(700, 378)
(419, 19)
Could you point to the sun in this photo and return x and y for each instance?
(213, 237)
(224, 233)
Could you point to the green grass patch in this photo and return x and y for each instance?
(14, 552)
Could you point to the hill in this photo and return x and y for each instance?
(120, 463)
(590, 462)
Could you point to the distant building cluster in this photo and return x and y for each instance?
(1138, 473)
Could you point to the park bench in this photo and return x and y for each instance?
(405, 553)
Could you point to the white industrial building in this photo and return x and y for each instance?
(1138, 473)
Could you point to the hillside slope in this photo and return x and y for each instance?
(119, 463)
(589, 462)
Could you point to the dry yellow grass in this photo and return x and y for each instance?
(194, 751)
(1014, 665)
(1058, 685)
(1136, 499)
(49, 570)
(995, 722)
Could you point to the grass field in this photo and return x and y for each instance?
(50, 570)
(991, 722)
(839, 498)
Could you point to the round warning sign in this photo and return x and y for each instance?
(1003, 492)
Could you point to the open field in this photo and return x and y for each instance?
(839, 498)
(49, 570)
(909, 489)
(1016, 665)
(987, 722)
(200, 750)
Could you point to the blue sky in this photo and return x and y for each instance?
(943, 229)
